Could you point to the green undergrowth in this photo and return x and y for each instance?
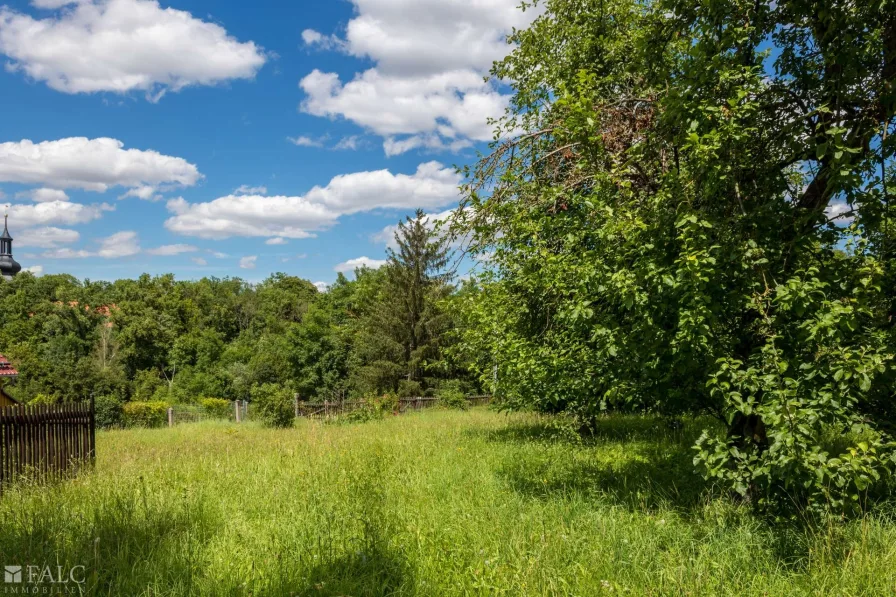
(430, 503)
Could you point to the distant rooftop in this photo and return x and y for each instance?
(6, 368)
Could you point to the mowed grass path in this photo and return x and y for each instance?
(434, 503)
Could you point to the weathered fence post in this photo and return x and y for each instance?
(171, 417)
(92, 431)
(237, 409)
(295, 401)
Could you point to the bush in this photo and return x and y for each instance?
(144, 414)
(43, 399)
(274, 405)
(375, 407)
(450, 397)
(217, 407)
(108, 411)
(409, 389)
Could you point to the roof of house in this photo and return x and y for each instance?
(6, 368)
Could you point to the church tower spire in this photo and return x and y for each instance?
(8, 266)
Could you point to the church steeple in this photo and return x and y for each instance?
(8, 266)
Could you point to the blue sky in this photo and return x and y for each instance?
(229, 138)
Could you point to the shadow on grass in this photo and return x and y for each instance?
(619, 428)
(373, 569)
(649, 480)
(125, 546)
(641, 463)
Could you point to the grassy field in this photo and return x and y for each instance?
(434, 503)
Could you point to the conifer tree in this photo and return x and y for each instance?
(405, 326)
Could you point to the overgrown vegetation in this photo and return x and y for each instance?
(178, 342)
(694, 216)
(216, 407)
(273, 405)
(433, 503)
(144, 414)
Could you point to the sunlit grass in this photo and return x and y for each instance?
(434, 503)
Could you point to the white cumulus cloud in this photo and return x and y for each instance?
(249, 262)
(306, 141)
(247, 190)
(65, 213)
(359, 262)
(318, 40)
(426, 89)
(121, 46)
(47, 237)
(168, 250)
(432, 185)
(350, 143)
(92, 165)
(43, 195)
(145, 192)
(67, 254)
(839, 213)
(120, 244)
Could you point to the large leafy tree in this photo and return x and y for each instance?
(693, 214)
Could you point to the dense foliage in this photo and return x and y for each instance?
(144, 414)
(273, 405)
(157, 339)
(693, 215)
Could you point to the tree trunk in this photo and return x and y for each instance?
(749, 434)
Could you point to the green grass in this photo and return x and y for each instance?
(433, 503)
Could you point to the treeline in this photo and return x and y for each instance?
(161, 339)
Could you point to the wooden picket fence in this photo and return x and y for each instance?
(479, 400)
(328, 409)
(46, 442)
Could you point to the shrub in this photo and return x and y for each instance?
(274, 405)
(375, 407)
(43, 399)
(409, 389)
(450, 397)
(217, 407)
(108, 411)
(144, 414)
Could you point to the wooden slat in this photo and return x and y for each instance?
(46, 442)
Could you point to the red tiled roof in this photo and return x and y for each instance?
(6, 368)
